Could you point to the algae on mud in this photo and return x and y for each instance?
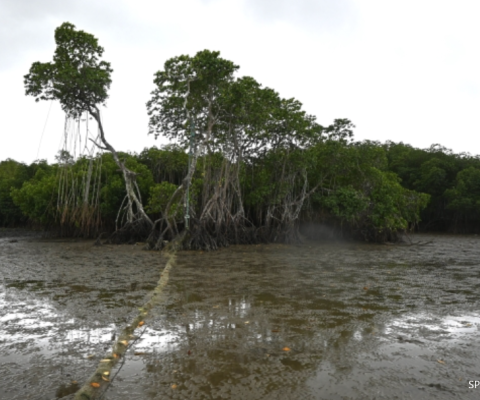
(228, 315)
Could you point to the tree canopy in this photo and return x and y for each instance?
(77, 77)
(80, 80)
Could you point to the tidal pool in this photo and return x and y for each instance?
(325, 320)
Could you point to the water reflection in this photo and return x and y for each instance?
(27, 319)
(428, 326)
(319, 328)
(263, 322)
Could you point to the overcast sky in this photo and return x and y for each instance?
(401, 70)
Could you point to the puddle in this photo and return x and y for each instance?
(451, 328)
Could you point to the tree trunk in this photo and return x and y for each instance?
(128, 176)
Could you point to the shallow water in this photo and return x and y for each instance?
(316, 321)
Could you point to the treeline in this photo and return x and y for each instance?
(367, 189)
(355, 188)
(452, 181)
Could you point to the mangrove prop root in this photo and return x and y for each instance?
(126, 338)
(97, 242)
(130, 233)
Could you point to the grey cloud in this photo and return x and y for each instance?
(28, 26)
(313, 15)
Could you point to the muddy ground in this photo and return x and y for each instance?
(324, 320)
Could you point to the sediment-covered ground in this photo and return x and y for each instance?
(316, 321)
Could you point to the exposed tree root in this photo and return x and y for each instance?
(98, 242)
(131, 232)
(213, 237)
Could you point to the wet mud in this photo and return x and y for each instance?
(315, 321)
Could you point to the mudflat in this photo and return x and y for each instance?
(331, 320)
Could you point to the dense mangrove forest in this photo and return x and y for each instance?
(244, 165)
(366, 190)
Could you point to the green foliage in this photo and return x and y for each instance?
(160, 195)
(440, 173)
(464, 197)
(198, 81)
(345, 203)
(341, 130)
(259, 157)
(433, 176)
(360, 192)
(282, 151)
(391, 206)
(258, 187)
(76, 77)
(12, 176)
(355, 188)
(169, 163)
(37, 196)
(112, 192)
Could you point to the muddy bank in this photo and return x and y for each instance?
(13, 233)
(61, 302)
(317, 321)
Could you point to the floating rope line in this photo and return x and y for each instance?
(98, 383)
